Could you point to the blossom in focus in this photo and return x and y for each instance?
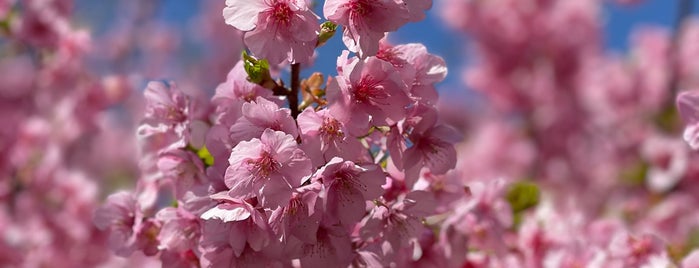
(300, 218)
(365, 22)
(269, 168)
(368, 90)
(430, 143)
(233, 230)
(346, 188)
(323, 137)
(261, 115)
(420, 69)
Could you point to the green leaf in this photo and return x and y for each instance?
(327, 30)
(6, 22)
(668, 119)
(635, 175)
(205, 156)
(257, 70)
(522, 196)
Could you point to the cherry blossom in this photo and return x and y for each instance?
(268, 168)
(276, 30)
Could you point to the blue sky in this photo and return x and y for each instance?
(619, 20)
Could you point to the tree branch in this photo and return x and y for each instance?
(293, 96)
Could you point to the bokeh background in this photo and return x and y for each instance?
(71, 86)
(180, 19)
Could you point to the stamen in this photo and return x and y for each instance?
(263, 166)
(282, 13)
(370, 92)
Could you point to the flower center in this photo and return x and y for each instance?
(174, 114)
(369, 91)
(359, 7)
(282, 13)
(640, 247)
(297, 206)
(331, 129)
(263, 166)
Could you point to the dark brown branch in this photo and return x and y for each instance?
(293, 96)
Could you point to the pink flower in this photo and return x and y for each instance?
(268, 168)
(301, 217)
(234, 233)
(332, 248)
(402, 221)
(147, 236)
(185, 170)
(420, 69)
(184, 259)
(365, 22)
(172, 120)
(688, 105)
(635, 251)
(431, 145)
(346, 188)
(276, 30)
(324, 137)
(367, 90)
(236, 90)
(485, 217)
(42, 24)
(237, 87)
(433, 148)
(259, 116)
(165, 104)
(119, 215)
(234, 224)
(214, 257)
(180, 231)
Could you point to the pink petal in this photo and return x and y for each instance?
(242, 14)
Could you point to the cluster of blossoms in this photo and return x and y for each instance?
(53, 112)
(596, 133)
(342, 177)
(67, 141)
(571, 157)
